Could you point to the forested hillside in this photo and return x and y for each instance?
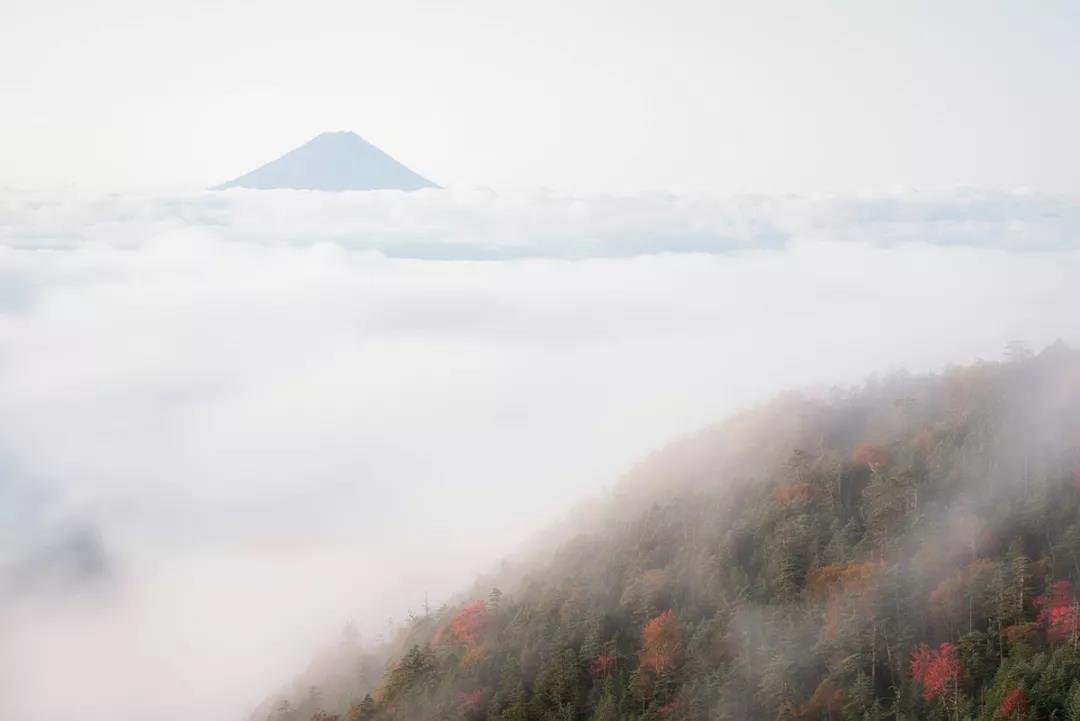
(908, 549)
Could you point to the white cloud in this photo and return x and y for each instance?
(481, 224)
(273, 426)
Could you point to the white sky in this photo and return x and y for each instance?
(586, 95)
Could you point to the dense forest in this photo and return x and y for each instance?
(906, 549)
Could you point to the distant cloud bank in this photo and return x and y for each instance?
(485, 225)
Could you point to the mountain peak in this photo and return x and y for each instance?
(333, 161)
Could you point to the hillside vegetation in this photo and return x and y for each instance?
(907, 549)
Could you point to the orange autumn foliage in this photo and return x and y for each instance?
(874, 456)
(661, 647)
(827, 580)
(827, 701)
(795, 493)
(1019, 633)
(844, 587)
(950, 599)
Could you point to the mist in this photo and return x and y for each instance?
(232, 423)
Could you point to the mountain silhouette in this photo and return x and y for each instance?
(332, 161)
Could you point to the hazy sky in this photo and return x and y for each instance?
(586, 95)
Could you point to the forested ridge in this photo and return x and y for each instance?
(907, 549)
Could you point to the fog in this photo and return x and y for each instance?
(232, 422)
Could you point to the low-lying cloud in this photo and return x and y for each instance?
(482, 224)
(231, 422)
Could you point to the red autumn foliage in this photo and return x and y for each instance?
(1015, 704)
(473, 701)
(795, 492)
(935, 669)
(603, 665)
(470, 622)
(1058, 612)
(661, 647)
(673, 709)
(873, 455)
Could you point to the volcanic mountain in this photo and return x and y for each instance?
(332, 161)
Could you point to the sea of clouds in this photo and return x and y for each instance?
(231, 422)
(486, 225)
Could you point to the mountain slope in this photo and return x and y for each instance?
(334, 162)
(906, 550)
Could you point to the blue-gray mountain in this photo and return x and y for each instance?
(333, 161)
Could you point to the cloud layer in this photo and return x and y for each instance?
(481, 224)
(231, 422)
